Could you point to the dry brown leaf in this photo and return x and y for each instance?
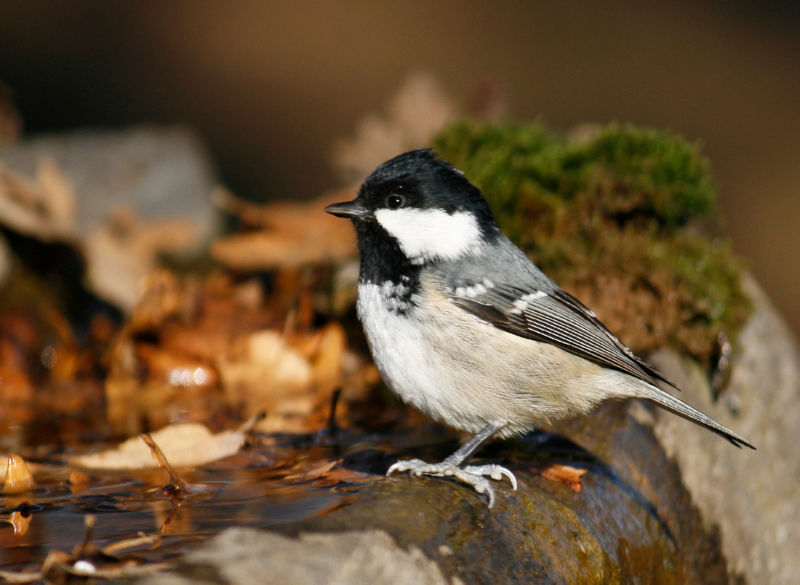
(327, 363)
(43, 208)
(269, 371)
(341, 474)
(202, 341)
(21, 522)
(294, 235)
(20, 578)
(164, 364)
(569, 476)
(123, 251)
(175, 368)
(78, 482)
(328, 473)
(18, 386)
(61, 202)
(319, 470)
(18, 478)
(292, 377)
(184, 444)
(163, 296)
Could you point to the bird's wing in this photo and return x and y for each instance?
(556, 317)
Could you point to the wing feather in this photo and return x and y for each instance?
(558, 318)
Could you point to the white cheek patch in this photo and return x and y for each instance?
(427, 234)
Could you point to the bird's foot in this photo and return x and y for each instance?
(473, 475)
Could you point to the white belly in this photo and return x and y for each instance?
(466, 373)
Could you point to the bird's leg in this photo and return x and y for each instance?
(451, 467)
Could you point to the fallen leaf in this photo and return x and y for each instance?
(184, 444)
(162, 297)
(315, 472)
(164, 366)
(43, 208)
(327, 363)
(270, 370)
(175, 368)
(121, 252)
(293, 235)
(327, 473)
(78, 482)
(569, 476)
(19, 478)
(26, 577)
(20, 521)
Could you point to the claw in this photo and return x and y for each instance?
(414, 466)
(471, 475)
(499, 473)
(496, 472)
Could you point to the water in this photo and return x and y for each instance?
(260, 486)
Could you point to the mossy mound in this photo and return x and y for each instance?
(605, 214)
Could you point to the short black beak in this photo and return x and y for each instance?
(348, 209)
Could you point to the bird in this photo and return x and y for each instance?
(463, 326)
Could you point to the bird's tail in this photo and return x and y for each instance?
(676, 406)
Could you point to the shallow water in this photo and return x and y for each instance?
(260, 486)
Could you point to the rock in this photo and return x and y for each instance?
(163, 173)
(245, 555)
(752, 496)
(113, 200)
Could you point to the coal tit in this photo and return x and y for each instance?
(464, 327)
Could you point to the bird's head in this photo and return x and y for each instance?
(425, 205)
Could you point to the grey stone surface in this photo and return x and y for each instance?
(245, 556)
(753, 496)
(162, 173)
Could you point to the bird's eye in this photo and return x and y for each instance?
(395, 201)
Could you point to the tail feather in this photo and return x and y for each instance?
(677, 406)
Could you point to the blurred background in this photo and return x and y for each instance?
(271, 86)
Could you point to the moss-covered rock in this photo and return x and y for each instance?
(605, 213)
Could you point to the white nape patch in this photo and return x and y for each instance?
(431, 234)
(521, 304)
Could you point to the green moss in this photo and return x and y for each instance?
(605, 213)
